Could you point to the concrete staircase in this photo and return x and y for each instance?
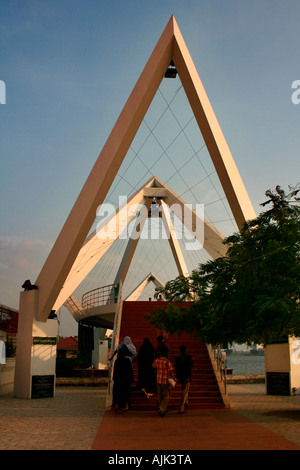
(204, 390)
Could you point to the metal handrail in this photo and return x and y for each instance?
(115, 337)
(74, 308)
(101, 296)
(221, 363)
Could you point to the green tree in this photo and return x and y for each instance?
(252, 294)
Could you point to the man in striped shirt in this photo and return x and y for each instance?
(164, 370)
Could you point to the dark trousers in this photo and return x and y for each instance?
(163, 397)
(185, 385)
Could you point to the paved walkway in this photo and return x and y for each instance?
(76, 420)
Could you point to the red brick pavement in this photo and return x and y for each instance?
(195, 430)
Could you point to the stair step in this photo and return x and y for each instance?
(204, 391)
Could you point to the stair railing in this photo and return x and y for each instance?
(221, 362)
(74, 307)
(114, 341)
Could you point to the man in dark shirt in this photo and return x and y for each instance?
(183, 368)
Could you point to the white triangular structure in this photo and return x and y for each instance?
(170, 47)
(156, 201)
(98, 243)
(137, 292)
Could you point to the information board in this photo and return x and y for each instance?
(42, 386)
(278, 383)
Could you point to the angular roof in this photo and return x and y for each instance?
(68, 343)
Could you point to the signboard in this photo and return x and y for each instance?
(44, 340)
(42, 386)
(278, 383)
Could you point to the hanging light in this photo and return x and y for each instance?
(171, 71)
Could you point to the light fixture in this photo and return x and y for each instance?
(171, 71)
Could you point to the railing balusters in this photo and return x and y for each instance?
(221, 363)
(100, 296)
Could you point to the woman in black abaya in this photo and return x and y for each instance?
(122, 377)
(146, 373)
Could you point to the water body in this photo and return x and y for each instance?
(246, 364)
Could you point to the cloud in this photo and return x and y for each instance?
(20, 259)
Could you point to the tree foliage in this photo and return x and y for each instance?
(250, 295)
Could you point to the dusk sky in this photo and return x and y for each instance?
(69, 66)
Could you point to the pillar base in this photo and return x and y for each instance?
(36, 351)
(282, 367)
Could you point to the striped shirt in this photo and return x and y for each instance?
(163, 366)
